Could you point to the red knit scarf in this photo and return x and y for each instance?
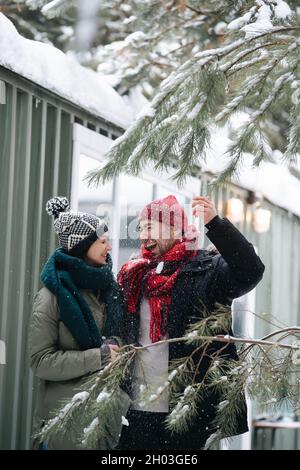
(140, 275)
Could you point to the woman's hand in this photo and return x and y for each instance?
(204, 207)
(114, 349)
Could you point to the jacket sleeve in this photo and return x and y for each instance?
(238, 268)
(46, 360)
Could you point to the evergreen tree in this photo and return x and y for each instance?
(200, 62)
(255, 70)
(60, 22)
(31, 23)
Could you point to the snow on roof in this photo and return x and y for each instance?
(54, 70)
(273, 180)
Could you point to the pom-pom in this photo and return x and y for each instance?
(56, 205)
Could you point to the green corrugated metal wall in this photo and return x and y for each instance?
(35, 164)
(278, 294)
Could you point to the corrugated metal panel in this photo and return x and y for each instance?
(26, 175)
(35, 164)
(278, 294)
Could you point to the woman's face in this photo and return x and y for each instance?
(97, 252)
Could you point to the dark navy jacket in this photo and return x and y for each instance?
(211, 277)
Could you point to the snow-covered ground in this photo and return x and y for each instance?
(54, 70)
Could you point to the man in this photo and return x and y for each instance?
(163, 290)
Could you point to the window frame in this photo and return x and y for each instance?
(95, 145)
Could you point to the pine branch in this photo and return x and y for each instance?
(267, 370)
(186, 140)
(289, 331)
(56, 8)
(292, 152)
(220, 339)
(12, 8)
(87, 416)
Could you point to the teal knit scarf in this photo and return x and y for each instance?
(64, 275)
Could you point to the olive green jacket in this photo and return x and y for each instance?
(58, 362)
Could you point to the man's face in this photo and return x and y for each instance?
(157, 237)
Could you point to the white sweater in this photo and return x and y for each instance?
(151, 366)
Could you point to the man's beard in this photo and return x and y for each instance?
(151, 244)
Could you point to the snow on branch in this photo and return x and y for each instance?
(57, 7)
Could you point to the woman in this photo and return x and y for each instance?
(77, 315)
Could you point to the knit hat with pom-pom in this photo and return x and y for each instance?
(76, 231)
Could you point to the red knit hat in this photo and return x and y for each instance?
(166, 210)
